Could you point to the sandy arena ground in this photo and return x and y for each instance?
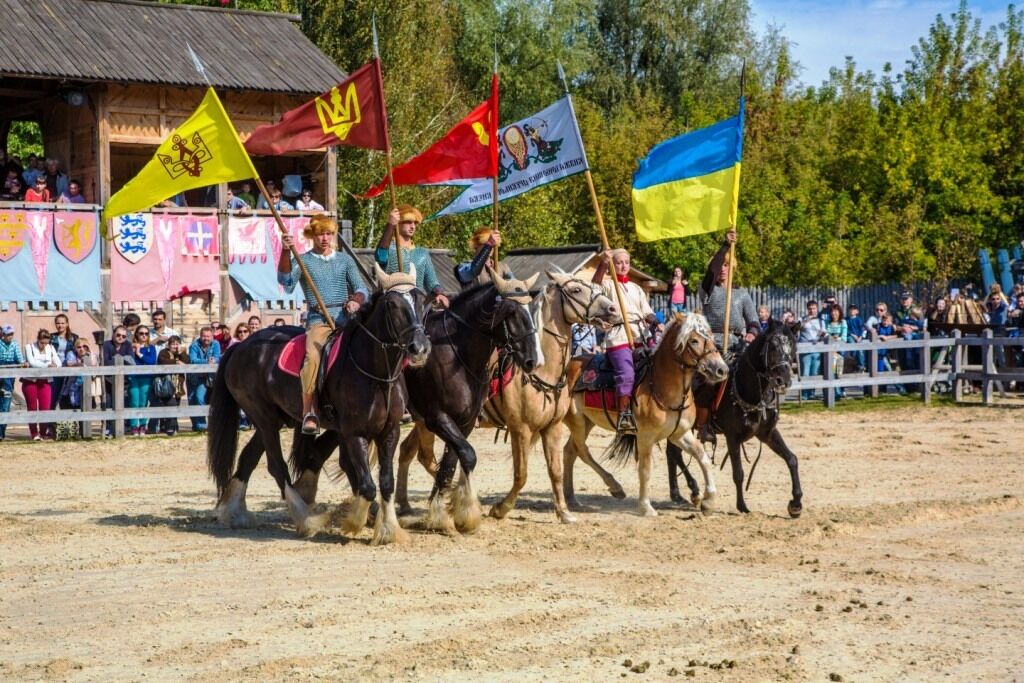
(908, 564)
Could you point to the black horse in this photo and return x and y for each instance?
(446, 393)
(363, 387)
(749, 407)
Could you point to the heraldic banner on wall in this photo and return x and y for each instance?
(254, 247)
(49, 256)
(159, 257)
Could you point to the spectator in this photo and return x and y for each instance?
(37, 391)
(881, 308)
(246, 195)
(74, 194)
(10, 356)
(32, 171)
(909, 327)
(63, 340)
(255, 324)
(279, 322)
(788, 316)
(764, 318)
(812, 332)
(241, 333)
(144, 353)
(584, 339)
(855, 333)
(307, 203)
(837, 331)
(1015, 316)
(997, 289)
(271, 186)
(56, 181)
(236, 203)
(202, 351)
(937, 312)
(178, 201)
(72, 394)
(826, 310)
(10, 177)
(677, 287)
(171, 354)
(160, 333)
(279, 203)
(112, 349)
(130, 322)
(12, 191)
(38, 192)
(223, 337)
(887, 331)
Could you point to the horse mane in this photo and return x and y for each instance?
(691, 322)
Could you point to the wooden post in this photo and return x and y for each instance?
(987, 368)
(926, 369)
(295, 255)
(873, 361)
(830, 376)
(958, 367)
(86, 404)
(611, 266)
(118, 399)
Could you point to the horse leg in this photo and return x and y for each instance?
(438, 516)
(643, 467)
(312, 462)
(688, 442)
(521, 441)
(551, 437)
(614, 487)
(305, 524)
(674, 458)
(363, 491)
(418, 444)
(231, 509)
(778, 444)
(737, 471)
(386, 528)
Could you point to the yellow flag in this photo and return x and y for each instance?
(204, 150)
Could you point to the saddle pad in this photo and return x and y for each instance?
(599, 374)
(499, 383)
(294, 352)
(592, 399)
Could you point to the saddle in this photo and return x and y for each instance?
(294, 352)
(597, 381)
(499, 379)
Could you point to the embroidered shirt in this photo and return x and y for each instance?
(336, 277)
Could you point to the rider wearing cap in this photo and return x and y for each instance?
(337, 278)
(482, 243)
(403, 221)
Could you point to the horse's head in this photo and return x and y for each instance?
(512, 325)
(403, 306)
(695, 348)
(778, 355)
(583, 303)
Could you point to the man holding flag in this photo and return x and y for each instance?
(403, 220)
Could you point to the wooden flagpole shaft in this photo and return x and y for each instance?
(494, 219)
(295, 254)
(611, 265)
(394, 205)
(728, 295)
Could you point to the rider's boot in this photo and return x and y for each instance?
(626, 423)
(701, 426)
(310, 421)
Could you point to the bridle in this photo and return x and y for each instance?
(507, 345)
(398, 339)
(699, 363)
(768, 388)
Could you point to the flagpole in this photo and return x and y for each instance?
(494, 133)
(620, 297)
(387, 138)
(732, 245)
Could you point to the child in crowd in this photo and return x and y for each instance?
(837, 331)
(855, 333)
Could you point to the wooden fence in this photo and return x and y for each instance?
(950, 367)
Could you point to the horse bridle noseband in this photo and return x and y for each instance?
(766, 389)
(396, 342)
(507, 346)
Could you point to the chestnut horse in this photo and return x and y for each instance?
(664, 409)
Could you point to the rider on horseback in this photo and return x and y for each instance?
(404, 219)
(483, 243)
(337, 278)
(617, 346)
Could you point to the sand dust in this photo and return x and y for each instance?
(908, 564)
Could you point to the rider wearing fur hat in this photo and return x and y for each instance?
(403, 222)
(482, 243)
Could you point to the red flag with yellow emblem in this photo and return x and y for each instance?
(467, 151)
(351, 113)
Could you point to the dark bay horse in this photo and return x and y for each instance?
(362, 386)
(750, 407)
(447, 393)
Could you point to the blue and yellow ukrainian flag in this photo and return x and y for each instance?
(690, 185)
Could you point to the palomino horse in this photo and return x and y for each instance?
(664, 408)
(363, 388)
(532, 407)
(750, 407)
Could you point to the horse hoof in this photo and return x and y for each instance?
(405, 511)
(744, 509)
(676, 498)
(618, 493)
(574, 505)
(647, 510)
(567, 518)
(696, 501)
(795, 510)
(497, 512)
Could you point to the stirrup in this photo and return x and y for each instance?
(707, 435)
(306, 428)
(626, 423)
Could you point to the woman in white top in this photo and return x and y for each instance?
(37, 393)
(307, 203)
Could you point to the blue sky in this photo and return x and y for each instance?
(873, 32)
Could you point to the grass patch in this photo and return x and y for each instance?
(856, 405)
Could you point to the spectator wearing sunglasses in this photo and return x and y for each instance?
(144, 353)
(241, 334)
(116, 347)
(307, 203)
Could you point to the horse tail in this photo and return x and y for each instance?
(621, 450)
(222, 427)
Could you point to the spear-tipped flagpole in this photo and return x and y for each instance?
(493, 140)
(620, 297)
(387, 136)
(733, 215)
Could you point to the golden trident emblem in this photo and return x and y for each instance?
(192, 154)
(336, 116)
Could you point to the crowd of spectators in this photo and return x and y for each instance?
(131, 343)
(39, 180)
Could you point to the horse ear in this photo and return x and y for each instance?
(555, 275)
(531, 281)
(378, 275)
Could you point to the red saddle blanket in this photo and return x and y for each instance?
(294, 352)
(499, 383)
(592, 399)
